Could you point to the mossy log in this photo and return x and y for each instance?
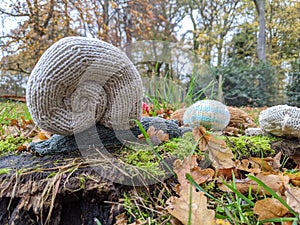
(55, 189)
(109, 138)
(62, 187)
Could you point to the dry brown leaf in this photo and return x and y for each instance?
(175, 221)
(121, 219)
(202, 175)
(294, 178)
(181, 168)
(26, 123)
(242, 185)
(264, 164)
(269, 208)
(276, 182)
(21, 148)
(248, 165)
(156, 136)
(179, 207)
(178, 115)
(42, 136)
(227, 173)
(14, 122)
(293, 198)
(219, 154)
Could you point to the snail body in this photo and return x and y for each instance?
(79, 82)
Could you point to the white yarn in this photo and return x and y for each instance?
(281, 120)
(79, 81)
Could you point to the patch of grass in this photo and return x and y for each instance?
(145, 206)
(10, 144)
(13, 110)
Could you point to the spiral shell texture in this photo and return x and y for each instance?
(80, 81)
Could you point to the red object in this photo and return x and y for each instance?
(145, 107)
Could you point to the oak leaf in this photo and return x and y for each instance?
(190, 166)
(277, 182)
(179, 207)
(219, 154)
(293, 198)
(269, 208)
(156, 136)
(181, 168)
(248, 166)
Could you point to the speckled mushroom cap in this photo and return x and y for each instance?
(80, 81)
(281, 120)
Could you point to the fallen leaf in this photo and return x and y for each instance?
(181, 168)
(242, 185)
(26, 123)
(294, 178)
(227, 173)
(293, 198)
(178, 115)
(264, 164)
(219, 154)
(276, 182)
(248, 166)
(21, 148)
(269, 208)
(202, 175)
(42, 136)
(14, 122)
(156, 136)
(121, 219)
(179, 207)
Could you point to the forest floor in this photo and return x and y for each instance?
(200, 178)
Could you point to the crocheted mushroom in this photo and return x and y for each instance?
(80, 81)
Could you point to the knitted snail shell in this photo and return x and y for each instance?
(281, 120)
(80, 81)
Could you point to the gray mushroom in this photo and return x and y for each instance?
(81, 81)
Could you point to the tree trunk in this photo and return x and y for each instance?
(261, 41)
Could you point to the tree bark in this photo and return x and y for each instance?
(261, 41)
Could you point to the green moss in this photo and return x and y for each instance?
(179, 147)
(10, 144)
(5, 171)
(145, 159)
(251, 146)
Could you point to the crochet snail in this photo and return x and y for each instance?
(79, 82)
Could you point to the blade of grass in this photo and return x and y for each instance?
(190, 206)
(152, 147)
(97, 221)
(193, 182)
(278, 220)
(239, 194)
